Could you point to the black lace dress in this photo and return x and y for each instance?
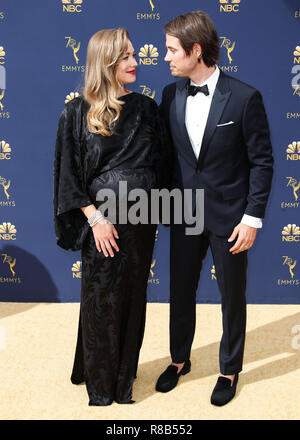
(113, 289)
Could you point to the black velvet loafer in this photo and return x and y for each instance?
(223, 391)
(169, 378)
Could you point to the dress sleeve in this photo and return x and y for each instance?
(70, 193)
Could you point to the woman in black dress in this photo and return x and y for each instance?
(106, 136)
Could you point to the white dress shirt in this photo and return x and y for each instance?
(196, 114)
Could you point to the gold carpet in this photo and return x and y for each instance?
(37, 343)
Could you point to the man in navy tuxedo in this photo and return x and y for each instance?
(222, 144)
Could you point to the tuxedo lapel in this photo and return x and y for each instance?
(180, 104)
(218, 104)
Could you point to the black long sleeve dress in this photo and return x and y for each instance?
(113, 289)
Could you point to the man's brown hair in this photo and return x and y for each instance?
(196, 27)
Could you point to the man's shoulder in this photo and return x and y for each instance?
(171, 88)
(238, 86)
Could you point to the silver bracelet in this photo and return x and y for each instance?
(97, 217)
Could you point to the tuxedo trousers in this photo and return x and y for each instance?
(186, 256)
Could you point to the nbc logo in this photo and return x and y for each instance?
(5, 150)
(72, 5)
(297, 55)
(71, 96)
(7, 231)
(296, 71)
(2, 55)
(293, 151)
(229, 5)
(148, 55)
(76, 269)
(291, 233)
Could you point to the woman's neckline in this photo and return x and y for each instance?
(127, 94)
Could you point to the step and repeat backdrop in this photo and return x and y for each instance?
(42, 62)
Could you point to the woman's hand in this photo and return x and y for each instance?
(104, 235)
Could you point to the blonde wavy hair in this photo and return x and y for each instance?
(101, 89)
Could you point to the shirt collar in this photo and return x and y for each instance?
(211, 82)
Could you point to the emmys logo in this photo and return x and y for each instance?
(71, 5)
(153, 280)
(11, 262)
(7, 231)
(2, 92)
(76, 269)
(290, 264)
(295, 186)
(148, 92)
(213, 273)
(229, 5)
(152, 5)
(291, 233)
(71, 43)
(71, 96)
(148, 55)
(5, 150)
(296, 71)
(5, 185)
(293, 151)
(149, 16)
(229, 47)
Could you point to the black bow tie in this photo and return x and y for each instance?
(193, 90)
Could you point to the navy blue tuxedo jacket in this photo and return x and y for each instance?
(235, 164)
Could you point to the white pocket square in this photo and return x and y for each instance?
(227, 123)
